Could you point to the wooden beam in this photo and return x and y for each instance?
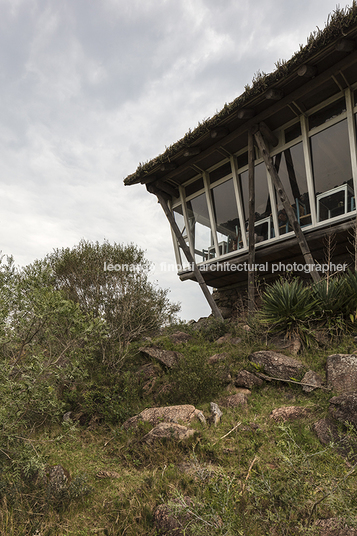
(268, 134)
(274, 94)
(219, 133)
(168, 166)
(215, 311)
(345, 45)
(166, 187)
(307, 71)
(305, 250)
(251, 255)
(191, 151)
(246, 113)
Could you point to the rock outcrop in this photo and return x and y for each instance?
(170, 414)
(278, 365)
(341, 370)
(168, 358)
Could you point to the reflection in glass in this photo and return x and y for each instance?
(179, 219)
(226, 216)
(290, 166)
(332, 170)
(262, 199)
(200, 229)
(327, 113)
(220, 172)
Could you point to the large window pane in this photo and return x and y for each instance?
(179, 219)
(332, 171)
(200, 229)
(226, 215)
(264, 229)
(327, 113)
(290, 166)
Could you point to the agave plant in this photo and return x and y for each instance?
(289, 307)
(351, 296)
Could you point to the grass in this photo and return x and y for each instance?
(262, 478)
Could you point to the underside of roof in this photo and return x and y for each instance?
(316, 72)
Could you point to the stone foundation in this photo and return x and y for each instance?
(231, 302)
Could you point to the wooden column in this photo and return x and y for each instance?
(305, 250)
(251, 254)
(215, 311)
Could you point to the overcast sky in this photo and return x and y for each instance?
(90, 88)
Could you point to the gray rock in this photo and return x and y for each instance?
(326, 430)
(184, 413)
(247, 379)
(168, 430)
(180, 337)
(228, 339)
(233, 401)
(171, 522)
(201, 417)
(58, 479)
(312, 378)
(216, 413)
(341, 372)
(343, 408)
(288, 413)
(217, 357)
(278, 365)
(67, 416)
(166, 357)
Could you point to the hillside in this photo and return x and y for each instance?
(249, 472)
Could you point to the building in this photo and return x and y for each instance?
(300, 118)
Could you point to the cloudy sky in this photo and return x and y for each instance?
(90, 88)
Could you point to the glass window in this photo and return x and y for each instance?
(290, 166)
(262, 201)
(220, 172)
(179, 219)
(200, 228)
(332, 170)
(292, 132)
(242, 160)
(194, 187)
(226, 216)
(327, 113)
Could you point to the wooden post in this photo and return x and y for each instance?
(251, 254)
(305, 250)
(216, 312)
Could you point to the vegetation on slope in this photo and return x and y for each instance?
(65, 347)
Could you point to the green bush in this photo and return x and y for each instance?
(288, 307)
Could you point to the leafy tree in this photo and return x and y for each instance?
(123, 297)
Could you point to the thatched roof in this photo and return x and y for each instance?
(339, 24)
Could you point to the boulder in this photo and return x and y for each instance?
(326, 430)
(247, 379)
(227, 338)
(180, 337)
(58, 480)
(233, 401)
(168, 358)
(278, 365)
(312, 378)
(184, 413)
(343, 408)
(217, 357)
(341, 372)
(170, 522)
(288, 413)
(216, 413)
(168, 430)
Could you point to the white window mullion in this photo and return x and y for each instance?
(352, 136)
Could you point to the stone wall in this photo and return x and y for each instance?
(231, 302)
